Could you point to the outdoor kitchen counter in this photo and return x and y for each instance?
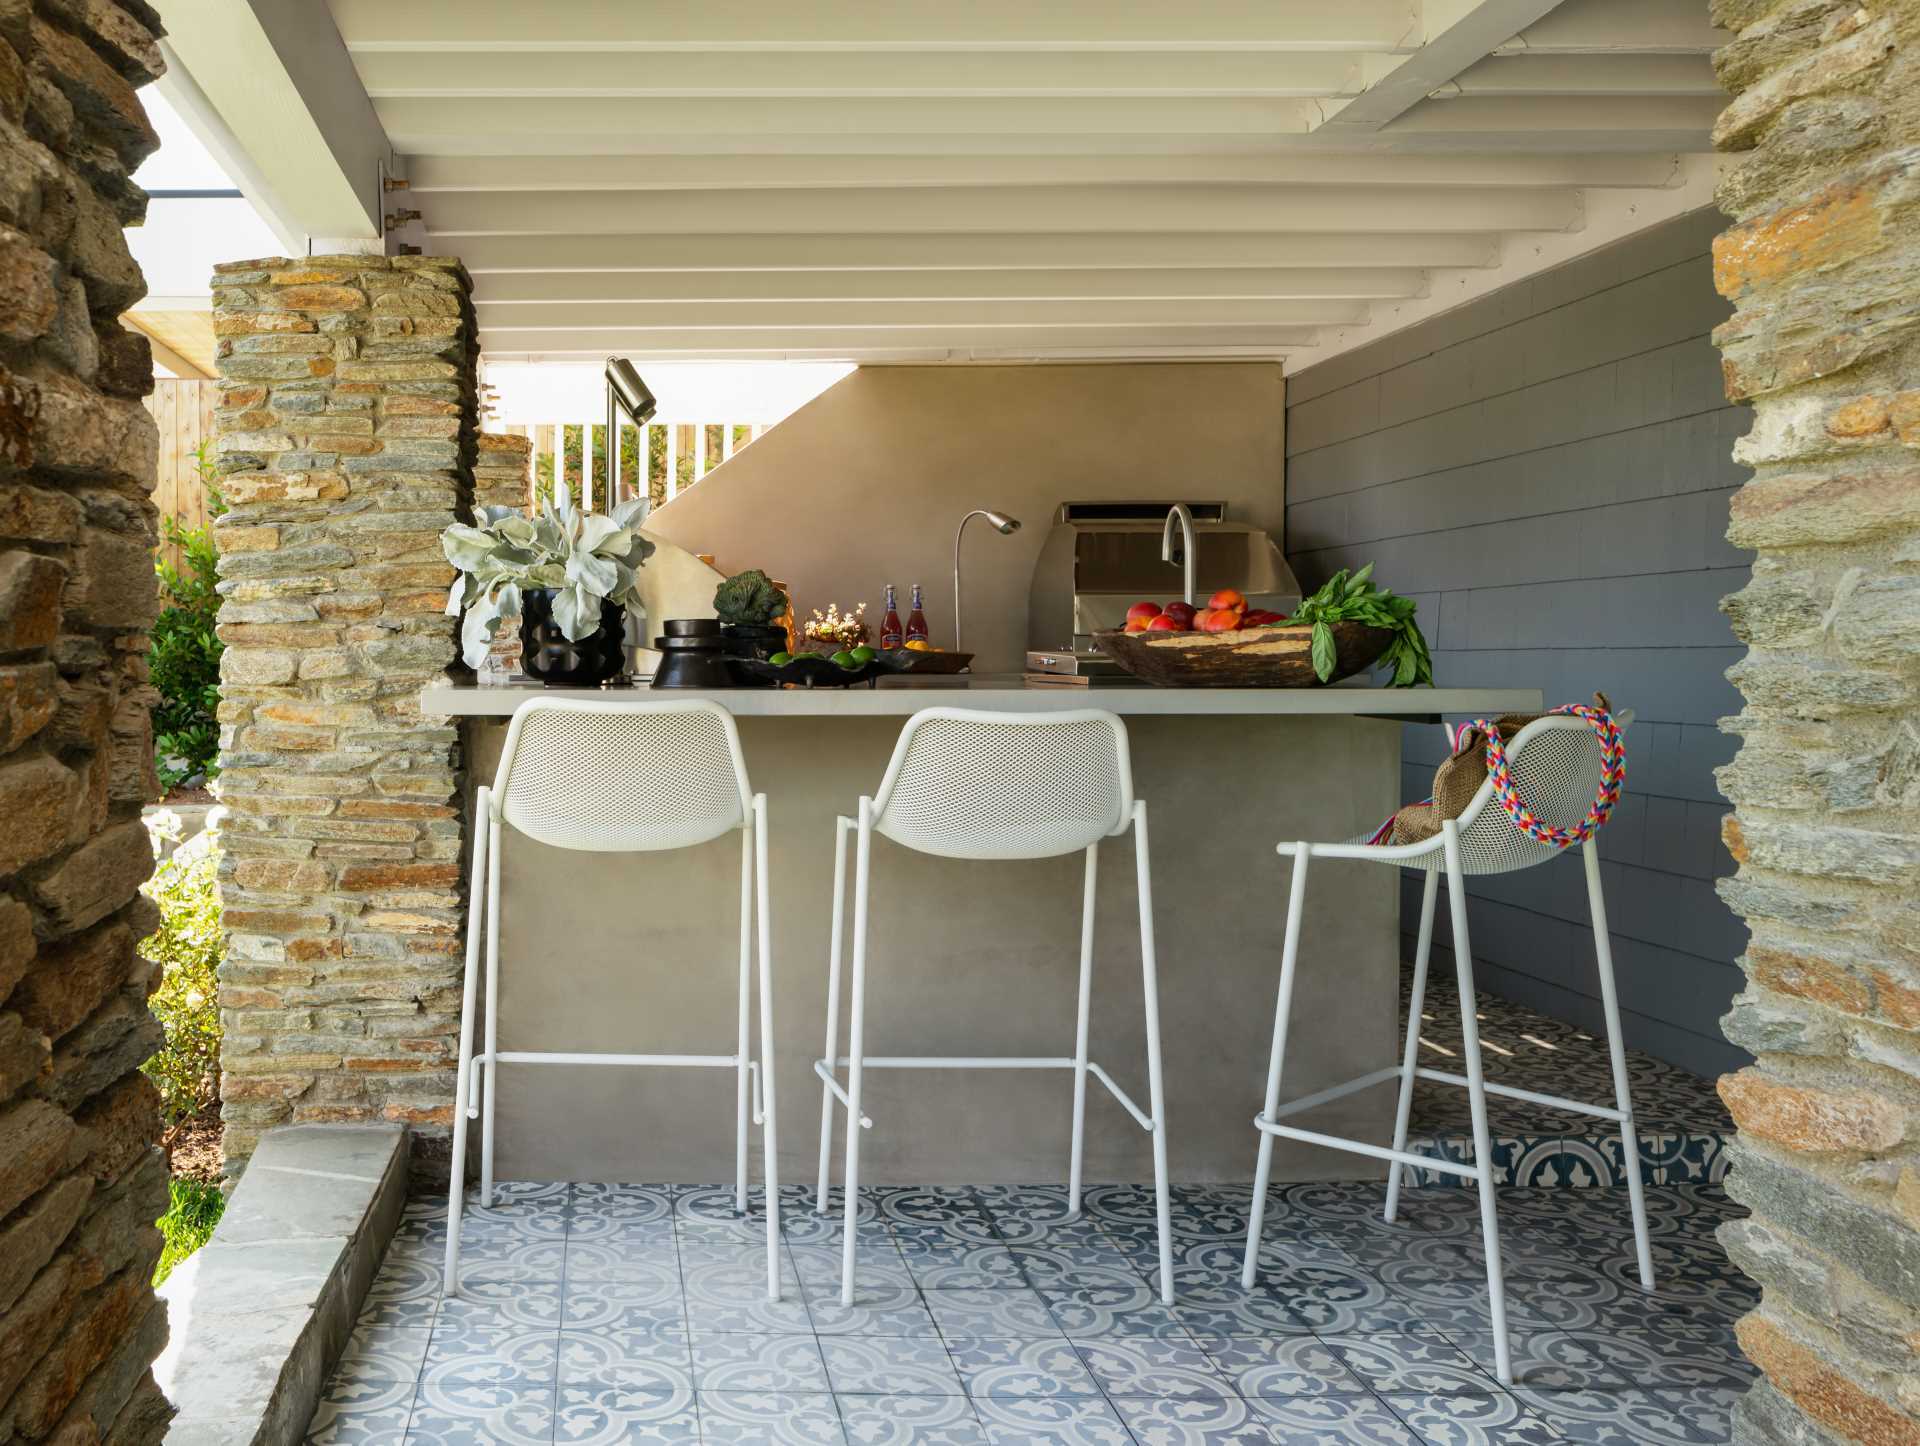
(638, 953)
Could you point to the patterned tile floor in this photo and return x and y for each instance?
(597, 1314)
(1683, 1127)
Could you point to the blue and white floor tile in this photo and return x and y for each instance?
(596, 1314)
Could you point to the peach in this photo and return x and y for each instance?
(1163, 624)
(1221, 620)
(1143, 613)
(1229, 598)
(1137, 625)
(1180, 612)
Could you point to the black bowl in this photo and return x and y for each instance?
(809, 670)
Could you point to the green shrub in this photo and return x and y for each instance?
(188, 946)
(193, 1209)
(184, 657)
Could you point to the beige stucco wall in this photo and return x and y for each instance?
(865, 485)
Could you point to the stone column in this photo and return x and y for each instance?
(346, 438)
(81, 1178)
(1822, 264)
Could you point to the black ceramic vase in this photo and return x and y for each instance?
(548, 656)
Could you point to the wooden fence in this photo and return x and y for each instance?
(184, 412)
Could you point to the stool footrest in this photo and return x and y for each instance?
(824, 1069)
(1558, 1102)
(1357, 1147)
(543, 1056)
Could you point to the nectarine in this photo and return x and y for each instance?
(1143, 612)
(1221, 620)
(1164, 624)
(1137, 625)
(1227, 597)
(1180, 612)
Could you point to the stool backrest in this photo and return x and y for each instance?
(1555, 765)
(973, 785)
(607, 777)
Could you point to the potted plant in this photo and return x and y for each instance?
(569, 577)
(748, 606)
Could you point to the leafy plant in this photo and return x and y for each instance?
(184, 656)
(1354, 598)
(749, 598)
(585, 557)
(193, 1209)
(188, 946)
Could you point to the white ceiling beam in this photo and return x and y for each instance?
(1602, 27)
(283, 87)
(1622, 74)
(1591, 123)
(1068, 208)
(570, 340)
(210, 128)
(599, 25)
(825, 316)
(967, 74)
(859, 251)
(429, 174)
(510, 289)
(1457, 33)
(627, 126)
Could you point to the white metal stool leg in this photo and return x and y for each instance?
(856, 1043)
(1263, 1166)
(743, 1047)
(769, 1130)
(1074, 1171)
(1156, 1092)
(1411, 1060)
(490, 1075)
(476, 895)
(1617, 1054)
(1477, 1098)
(841, 827)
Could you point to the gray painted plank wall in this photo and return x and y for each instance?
(1547, 470)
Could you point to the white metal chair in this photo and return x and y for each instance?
(1555, 765)
(608, 777)
(976, 785)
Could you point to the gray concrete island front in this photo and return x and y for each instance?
(638, 953)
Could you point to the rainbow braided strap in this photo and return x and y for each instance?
(1613, 777)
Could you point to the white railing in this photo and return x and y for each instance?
(550, 442)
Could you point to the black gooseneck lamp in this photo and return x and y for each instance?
(626, 395)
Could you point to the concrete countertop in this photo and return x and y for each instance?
(1009, 693)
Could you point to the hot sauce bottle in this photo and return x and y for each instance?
(890, 636)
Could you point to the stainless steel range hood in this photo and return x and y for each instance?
(1102, 557)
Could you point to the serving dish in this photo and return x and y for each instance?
(807, 670)
(1272, 657)
(912, 660)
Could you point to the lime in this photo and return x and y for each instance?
(781, 658)
(863, 654)
(846, 659)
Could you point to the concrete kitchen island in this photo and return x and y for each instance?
(639, 953)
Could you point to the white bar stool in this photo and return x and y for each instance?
(974, 785)
(607, 777)
(1555, 765)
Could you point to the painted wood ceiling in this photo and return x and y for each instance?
(1020, 178)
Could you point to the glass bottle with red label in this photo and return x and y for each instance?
(890, 633)
(916, 620)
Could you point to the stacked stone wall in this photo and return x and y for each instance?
(346, 439)
(1822, 263)
(81, 1177)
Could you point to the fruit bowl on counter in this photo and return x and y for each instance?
(1257, 657)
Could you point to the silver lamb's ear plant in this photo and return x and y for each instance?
(586, 558)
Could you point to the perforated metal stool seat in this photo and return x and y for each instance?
(975, 785)
(607, 777)
(1555, 765)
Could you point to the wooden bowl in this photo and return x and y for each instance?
(1245, 658)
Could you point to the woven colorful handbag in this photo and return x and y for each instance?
(1480, 752)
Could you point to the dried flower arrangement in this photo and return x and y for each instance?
(834, 630)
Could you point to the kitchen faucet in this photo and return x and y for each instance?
(1185, 518)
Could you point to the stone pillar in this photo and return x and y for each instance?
(81, 1177)
(503, 477)
(346, 438)
(1822, 264)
